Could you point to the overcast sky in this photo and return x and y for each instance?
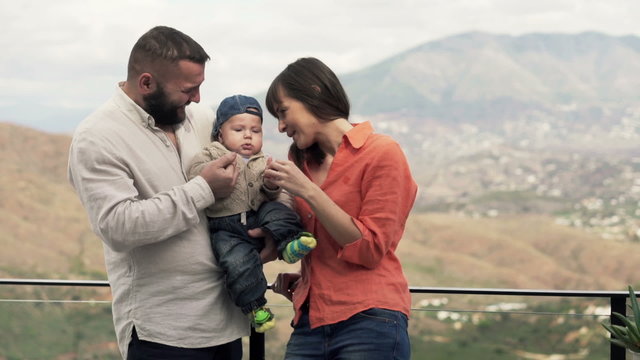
(61, 59)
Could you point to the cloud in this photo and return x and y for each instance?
(76, 50)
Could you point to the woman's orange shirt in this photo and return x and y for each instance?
(369, 179)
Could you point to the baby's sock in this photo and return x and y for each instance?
(262, 319)
(299, 247)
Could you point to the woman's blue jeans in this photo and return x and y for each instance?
(373, 334)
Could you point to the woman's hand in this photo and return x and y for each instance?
(339, 224)
(286, 174)
(286, 284)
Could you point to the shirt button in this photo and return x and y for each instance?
(250, 184)
(309, 215)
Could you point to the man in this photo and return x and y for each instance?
(127, 162)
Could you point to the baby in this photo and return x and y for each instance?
(252, 204)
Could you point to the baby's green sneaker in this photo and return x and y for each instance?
(262, 319)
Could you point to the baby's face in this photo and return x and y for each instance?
(242, 134)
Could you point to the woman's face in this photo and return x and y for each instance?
(298, 122)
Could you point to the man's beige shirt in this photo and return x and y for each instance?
(133, 184)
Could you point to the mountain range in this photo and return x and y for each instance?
(537, 123)
(482, 78)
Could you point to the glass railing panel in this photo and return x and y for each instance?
(506, 327)
(43, 322)
(276, 338)
(56, 323)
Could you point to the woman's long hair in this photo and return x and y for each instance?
(317, 87)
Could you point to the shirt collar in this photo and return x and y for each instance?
(359, 134)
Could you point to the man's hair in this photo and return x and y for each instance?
(163, 45)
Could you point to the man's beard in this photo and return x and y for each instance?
(163, 112)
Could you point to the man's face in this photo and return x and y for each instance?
(180, 87)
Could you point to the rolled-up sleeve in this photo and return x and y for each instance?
(388, 192)
(120, 190)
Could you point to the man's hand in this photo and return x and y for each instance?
(269, 252)
(221, 175)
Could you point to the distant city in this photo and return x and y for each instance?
(586, 177)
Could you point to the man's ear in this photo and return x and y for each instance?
(146, 83)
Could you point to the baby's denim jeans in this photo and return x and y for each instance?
(239, 254)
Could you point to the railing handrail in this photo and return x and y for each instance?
(522, 292)
(412, 289)
(54, 282)
(617, 299)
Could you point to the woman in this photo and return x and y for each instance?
(354, 190)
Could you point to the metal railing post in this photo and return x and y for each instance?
(256, 345)
(619, 305)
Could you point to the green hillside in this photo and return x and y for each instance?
(516, 251)
(43, 227)
(45, 234)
